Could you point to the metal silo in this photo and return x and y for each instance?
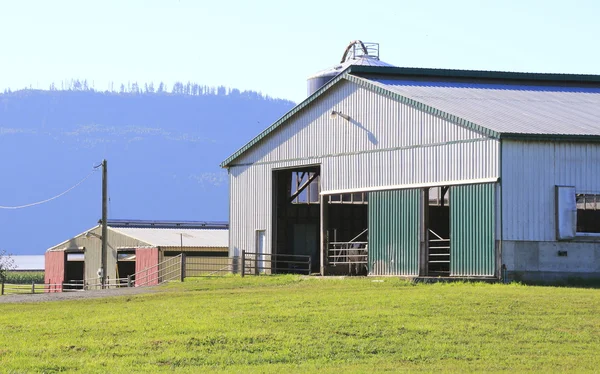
(356, 53)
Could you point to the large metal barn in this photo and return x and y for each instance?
(426, 172)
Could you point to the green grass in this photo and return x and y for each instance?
(292, 324)
(24, 277)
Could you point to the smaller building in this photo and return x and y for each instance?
(132, 247)
(28, 263)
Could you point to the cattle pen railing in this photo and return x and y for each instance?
(253, 263)
(178, 268)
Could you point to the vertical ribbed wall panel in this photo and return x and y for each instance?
(54, 271)
(394, 218)
(530, 170)
(384, 144)
(376, 123)
(472, 237)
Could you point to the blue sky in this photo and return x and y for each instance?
(272, 46)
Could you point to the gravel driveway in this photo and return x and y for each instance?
(58, 296)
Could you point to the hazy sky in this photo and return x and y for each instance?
(272, 46)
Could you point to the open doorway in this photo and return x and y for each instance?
(347, 233)
(74, 270)
(125, 265)
(438, 230)
(297, 218)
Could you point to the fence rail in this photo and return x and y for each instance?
(209, 266)
(347, 253)
(178, 268)
(260, 263)
(168, 270)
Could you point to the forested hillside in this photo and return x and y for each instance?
(163, 149)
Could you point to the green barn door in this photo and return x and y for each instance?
(472, 234)
(394, 218)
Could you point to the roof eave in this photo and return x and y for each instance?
(551, 137)
(475, 74)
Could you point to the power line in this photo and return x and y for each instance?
(50, 199)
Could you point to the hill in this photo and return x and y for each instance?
(163, 151)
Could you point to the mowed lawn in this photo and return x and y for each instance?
(295, 324)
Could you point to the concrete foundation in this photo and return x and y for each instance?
(551, 261)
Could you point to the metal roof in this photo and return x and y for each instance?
(528, 96)
(176, 237)
(35, 262)
(520, 109)
(168, 224)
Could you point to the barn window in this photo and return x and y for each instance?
(349, 198)
(305, 187)
(588, 213)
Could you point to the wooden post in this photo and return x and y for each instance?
(32, 287)
(129, 281)
(183, 258)
(243, 262)
(2, 287)
(104, 219)
(256, 270)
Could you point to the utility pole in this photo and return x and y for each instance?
(104, 218)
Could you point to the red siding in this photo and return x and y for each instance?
(54, 273)
(146, 261)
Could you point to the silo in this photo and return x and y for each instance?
(356, 53)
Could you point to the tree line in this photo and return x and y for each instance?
(135, 88)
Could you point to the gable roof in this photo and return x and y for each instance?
(199, 234)
(28, 262)
(496, 104)
(173, 237)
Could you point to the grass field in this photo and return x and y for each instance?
(24, 277)
(292, 324)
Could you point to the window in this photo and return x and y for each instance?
(349, 198)
(588, 213)
(577, 213)
(305, 187)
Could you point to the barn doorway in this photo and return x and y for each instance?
(74, 270)
(296, 204)
(437, 223)
(125, 265)
(347, 233)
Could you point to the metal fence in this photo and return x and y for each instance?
(201, 266)
(260, 263)
(178, 268)
(168, 270)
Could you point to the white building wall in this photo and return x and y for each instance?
(385, 144)
(530, 170)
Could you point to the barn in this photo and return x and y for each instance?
(427, 173)
(133, 246)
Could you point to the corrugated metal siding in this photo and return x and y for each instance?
(146, 258)
(472, 236)
(525, 109)
(440, 163)
(377, 124)
(530, 170)
(394, 218)
(54, 270)
(403, 146)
